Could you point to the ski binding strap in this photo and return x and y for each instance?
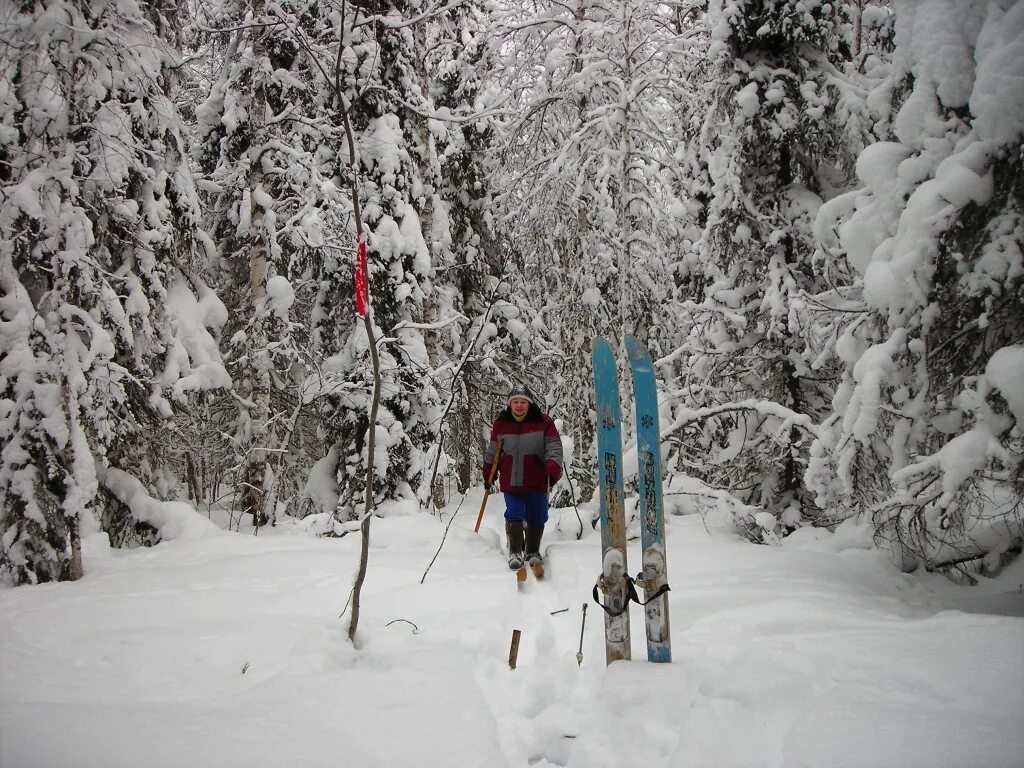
(631, 594)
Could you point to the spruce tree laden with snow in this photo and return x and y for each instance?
(379, 76)
(466, 255)
(772, 146)
(107, 320)
(265, 147)
(926, 437)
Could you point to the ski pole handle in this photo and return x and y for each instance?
(487, 490)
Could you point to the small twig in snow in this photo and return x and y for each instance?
(442, 539)
(415, 629)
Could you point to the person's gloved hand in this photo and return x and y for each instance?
(553, 470)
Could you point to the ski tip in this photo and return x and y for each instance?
(521, 575)
(538, 571)
(636, 351)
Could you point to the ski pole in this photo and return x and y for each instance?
(579, 655)
(487, 490)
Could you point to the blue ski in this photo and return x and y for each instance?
(613, 582)
(654, 577)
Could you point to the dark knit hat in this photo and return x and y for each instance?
(520, 390)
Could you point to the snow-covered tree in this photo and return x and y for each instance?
(265, 147)
(385, 99)
(925, 435)
(105, 319)
(777, 113)
(465, 253)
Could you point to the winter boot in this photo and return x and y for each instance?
(533, 537)
(514, 531)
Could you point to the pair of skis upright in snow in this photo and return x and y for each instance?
(615, 581)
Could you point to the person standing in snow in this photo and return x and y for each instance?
(531, 462)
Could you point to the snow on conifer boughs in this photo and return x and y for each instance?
(379, 77)
(921, 435)
(266, 146)
(473, 279)
(772, 150)
(95, 262)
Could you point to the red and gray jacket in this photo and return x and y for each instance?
(531, 451)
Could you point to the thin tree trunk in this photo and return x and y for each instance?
(190, 474)
(364, 528)
(254, 491)
(468, 439)
(77, 567)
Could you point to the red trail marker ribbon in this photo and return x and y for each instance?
(362, 289)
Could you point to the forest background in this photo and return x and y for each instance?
(811, 213)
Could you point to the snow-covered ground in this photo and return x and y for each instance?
(224, 649)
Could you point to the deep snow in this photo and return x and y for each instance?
(226, 649)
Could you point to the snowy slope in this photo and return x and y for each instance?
(227, 650)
